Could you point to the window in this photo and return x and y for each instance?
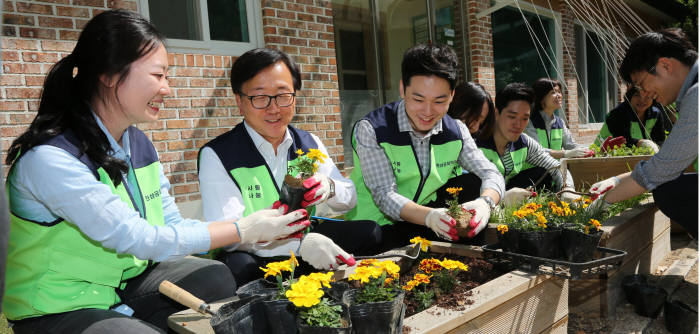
(520, 54)
(226, 27)
(597, 87)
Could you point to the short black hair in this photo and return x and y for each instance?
(631, 91)
(541, 88)
(645, 51)
(252, 62)
(468, 101)
(429, 59)
(514, 92)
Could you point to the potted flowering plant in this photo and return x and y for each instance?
(454, 209)
(444, 278)
(425, 296)
(376, 303)
(317, 314)
(581, 233)
(299, 169)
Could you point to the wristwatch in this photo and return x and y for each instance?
(331, 183)
(489, 201)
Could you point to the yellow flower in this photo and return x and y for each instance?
(304, 293)
(363, 274)
(321, 278)
(452, 264)
(595, 223)
(293, 258)
(502, 228)
(430, 265)
(454, 190)
(316, 154)
(422, 278)
(541, 220)
(368, 262)
(410, 285)
(424, 243)
(300, 152)
(391, 268)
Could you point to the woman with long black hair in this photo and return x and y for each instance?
(93, 228)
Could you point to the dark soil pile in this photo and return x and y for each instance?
(479, 273)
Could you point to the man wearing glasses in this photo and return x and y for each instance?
(663, 66)
(241, 171)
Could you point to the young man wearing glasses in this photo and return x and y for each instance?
(241, 171)
(663, 65)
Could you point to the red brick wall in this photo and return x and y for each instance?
(481, 46)
(36, 34)
(569, 64)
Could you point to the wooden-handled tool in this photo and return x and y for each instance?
(183, 297)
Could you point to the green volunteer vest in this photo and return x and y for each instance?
(518, 154)
(635, 128)
(552, 140)
(444, 153)
(248, 168)
(52, 267)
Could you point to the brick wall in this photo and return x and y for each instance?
(569, 64)
(481, 46)
(37, 34)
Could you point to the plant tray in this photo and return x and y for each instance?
(610, 259)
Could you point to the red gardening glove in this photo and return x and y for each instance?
(611, 142)
(589, 154)
(304, 221)
(319, 190)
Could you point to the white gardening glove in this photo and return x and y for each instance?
(648, 143)
(578, 152)
(270, 224)
(320, 188)
(442, 224)
(516, 195)
(600, 188)
(569, 196)
(322, 253)
(481, 211)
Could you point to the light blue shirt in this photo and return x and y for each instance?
(48, 183)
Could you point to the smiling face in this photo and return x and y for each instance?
(271, 122)
(140, 95)
(474, 125)
(512, 120)
(427, 100)
(663, 84)
(640, 103)
(552, 101)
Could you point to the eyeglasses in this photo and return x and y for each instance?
(263, 101)
(638, 86)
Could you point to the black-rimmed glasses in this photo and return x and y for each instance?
(263, 101)
(638, 86)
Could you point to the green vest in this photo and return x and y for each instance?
(445, 148)
(52, 267)
(518, 154)
(248, 168)
(552, 140)
(635, 128)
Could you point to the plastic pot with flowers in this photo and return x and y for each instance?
(535, 227)
(299, 178)
(434, 278)
(375, 299)
(316, 313)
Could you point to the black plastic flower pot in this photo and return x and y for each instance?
(679, 317)
(375, 318)
(245, 316)
(335, 292)
(292, 192)
(540, 243)
(346, 328)
(631, 284)
(281, 316)
(578, 246)
(509, 240)
(258, 287)
(651, 299)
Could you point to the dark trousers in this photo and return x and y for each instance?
(358, 237)
(678, 199)
(398, 234)
(206, 279)
(529, 177)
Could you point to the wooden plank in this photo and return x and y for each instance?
(558, 327)
(587, 171)
(486, 297)
(533, 311)
(192, 322)
(456, 249)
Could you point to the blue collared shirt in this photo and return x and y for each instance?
(48, 183)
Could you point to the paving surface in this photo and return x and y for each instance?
(677, 274)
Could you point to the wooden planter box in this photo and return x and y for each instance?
(587, 171)
(516, 302)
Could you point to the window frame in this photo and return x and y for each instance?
(208, 46)
(612, 87)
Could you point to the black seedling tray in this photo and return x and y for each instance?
(611, 259)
